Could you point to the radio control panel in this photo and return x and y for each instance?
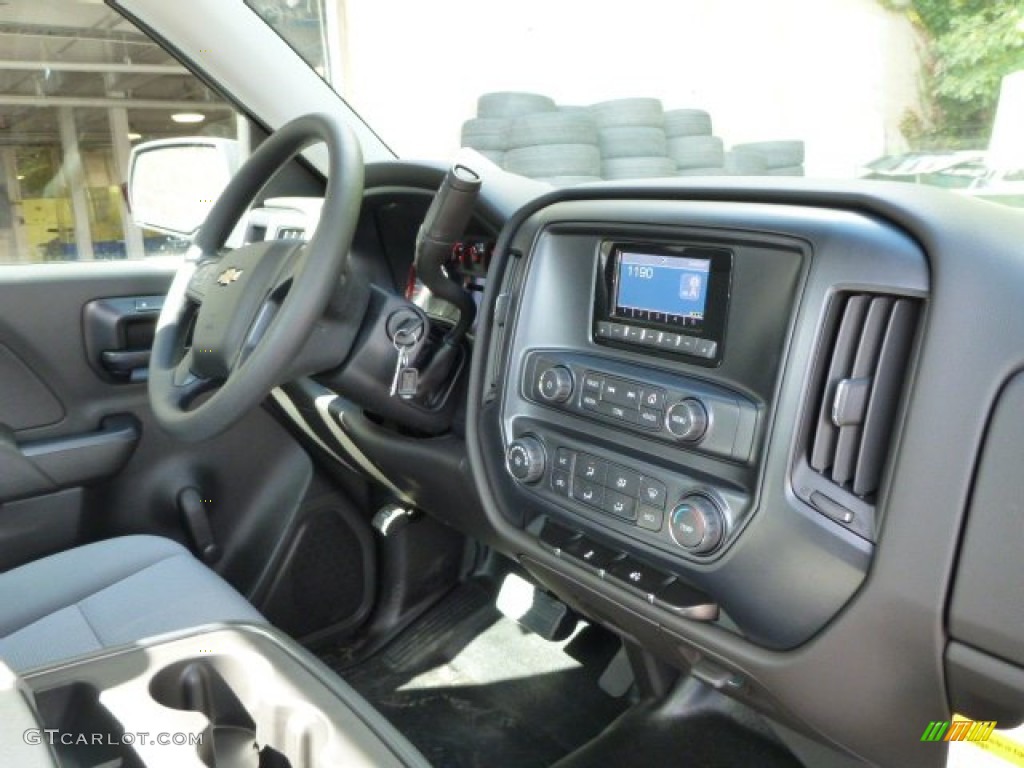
(668, 408)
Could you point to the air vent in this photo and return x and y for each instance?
(861, 375)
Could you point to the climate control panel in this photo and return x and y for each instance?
(671, 510)
(673, 409)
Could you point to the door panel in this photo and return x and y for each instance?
(84, 459)
(41, 324)
(27, 401)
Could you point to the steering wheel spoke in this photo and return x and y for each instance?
(203, 280)
(187, 386)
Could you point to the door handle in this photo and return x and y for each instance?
(118, 333)
(130, 364)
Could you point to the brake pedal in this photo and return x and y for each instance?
(535, 610)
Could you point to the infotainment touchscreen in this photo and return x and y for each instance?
(669, 297)
(672, 290)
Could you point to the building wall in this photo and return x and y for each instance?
(837, 73)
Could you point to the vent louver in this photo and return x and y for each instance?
(864, 371)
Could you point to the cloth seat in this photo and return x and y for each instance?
(106, 594)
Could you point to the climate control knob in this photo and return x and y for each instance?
(525, 459)
(697, 524)
(555, 384)
(687, 420)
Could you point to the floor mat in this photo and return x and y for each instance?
(470, 688)
(695, 727)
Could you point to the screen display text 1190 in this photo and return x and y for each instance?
(672, 290)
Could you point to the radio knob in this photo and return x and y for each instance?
(697, 524)
(687, 420)
(525, 459)
(555, 384)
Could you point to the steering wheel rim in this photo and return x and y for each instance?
(252, 309)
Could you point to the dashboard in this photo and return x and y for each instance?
(764, 475)
(659, 444)
(768, 433)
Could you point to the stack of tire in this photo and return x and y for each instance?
(488, 132)
(527, 134)
(691, 146)
(767, 158)
(631, 136)
(558, 147)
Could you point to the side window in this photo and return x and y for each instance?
(79, 87)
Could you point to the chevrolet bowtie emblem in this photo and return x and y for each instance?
(228, 276)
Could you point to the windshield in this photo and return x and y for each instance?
(921, 91)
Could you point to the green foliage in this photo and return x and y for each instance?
(973, 45)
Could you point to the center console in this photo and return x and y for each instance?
(637, 402)
(233, 696)
(691, 402)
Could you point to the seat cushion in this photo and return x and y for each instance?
(106, 594)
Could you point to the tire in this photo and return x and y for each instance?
(745, 164)
(687, 122)
(554, 160)
(638, 168)
(568, 181)
(512, 104)
(696, 152)
(486, 133)
(712, 171)
(632, 141)
(552, 128)
(645, 112)
(787, 170)
(776, 154)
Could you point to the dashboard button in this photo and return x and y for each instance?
(687, 345)
(653, 398)
(619, 505)
(619, 412)
(620, 392)
(668, 341)
(590, 402)
(604, 330)
(650, 338)
(593, 554)
(592, 382)
(556, 536)
(687, 420)
(707, 348)
(560, 482)
(650, 518)
(555, 384)
(563, 459)
(653, 493)
(588, 492)
(591, 468)
(624, 481)
(618, 331)
(637, 575)
(650, 418)
(525, 459)
(634, 334)
(697, 524)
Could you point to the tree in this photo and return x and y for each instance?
(973, 44)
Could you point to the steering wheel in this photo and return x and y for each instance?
(241, 322)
